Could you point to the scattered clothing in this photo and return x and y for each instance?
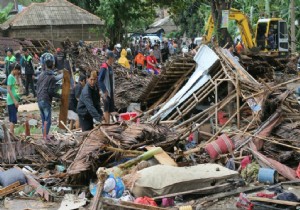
(230, 164)
(288, 196)
(250, 173)
(245, 162)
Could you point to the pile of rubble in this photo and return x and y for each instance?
(212, 131)
(130, 84)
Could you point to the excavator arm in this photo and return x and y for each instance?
(243, 25)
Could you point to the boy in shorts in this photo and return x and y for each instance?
(13, 97)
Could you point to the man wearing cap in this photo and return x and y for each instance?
(9, 62)
(59, 59)
(26, 62)
(46, 90)
(107, 85)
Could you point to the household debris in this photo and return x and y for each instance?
(208, 130)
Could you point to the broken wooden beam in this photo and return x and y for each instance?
(63, 113)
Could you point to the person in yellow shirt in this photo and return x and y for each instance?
(123, 60)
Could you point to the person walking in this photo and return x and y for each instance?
(106, 82)
(46, 90)
(88, 107)
(13, 97)
(26, 63)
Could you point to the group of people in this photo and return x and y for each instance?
(84, 98)
(146, 55)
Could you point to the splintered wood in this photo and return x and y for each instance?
(124, 137)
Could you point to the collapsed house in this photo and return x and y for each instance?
(202, 109)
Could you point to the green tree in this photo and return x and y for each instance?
(89, 5)
(4, 13)
(122, 15)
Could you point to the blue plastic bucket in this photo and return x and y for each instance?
(267, 175)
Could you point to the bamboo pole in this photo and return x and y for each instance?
(237, 87)
(197, 149)
(216, 102)
(188, 104)
(269, 140)
(274, 87)
(204, 112)
(198, 125)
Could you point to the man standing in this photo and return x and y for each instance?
(59, 59)
(107, 85)
(9, 62)
(76, 92)
(13, 96)
(157, 53)
(88, 108)
(139, 60)
(46, 90)
(26, 62)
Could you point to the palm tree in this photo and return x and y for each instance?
(4, 13)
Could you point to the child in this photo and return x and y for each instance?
(13, 96)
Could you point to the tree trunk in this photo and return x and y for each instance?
(293, 31)
(267, 8)
(221, 34)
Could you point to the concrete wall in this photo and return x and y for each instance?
(58, 33)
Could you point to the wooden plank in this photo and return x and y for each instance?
(163, 158)
(205, 190)
(9, 187)
(13, 190)
(28, 107)
(227, 194)
(267, 200)
(63, 113)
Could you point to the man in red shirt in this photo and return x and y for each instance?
(151, 63)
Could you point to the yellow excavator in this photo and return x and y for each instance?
(264, 28)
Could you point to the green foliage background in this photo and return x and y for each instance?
(123, 16)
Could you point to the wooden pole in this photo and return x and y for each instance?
(198, 125)
(276, 86)
(237, 87)
(216, 102)
(63, 113)
(197, 149)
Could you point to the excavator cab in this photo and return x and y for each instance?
(272, 36)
